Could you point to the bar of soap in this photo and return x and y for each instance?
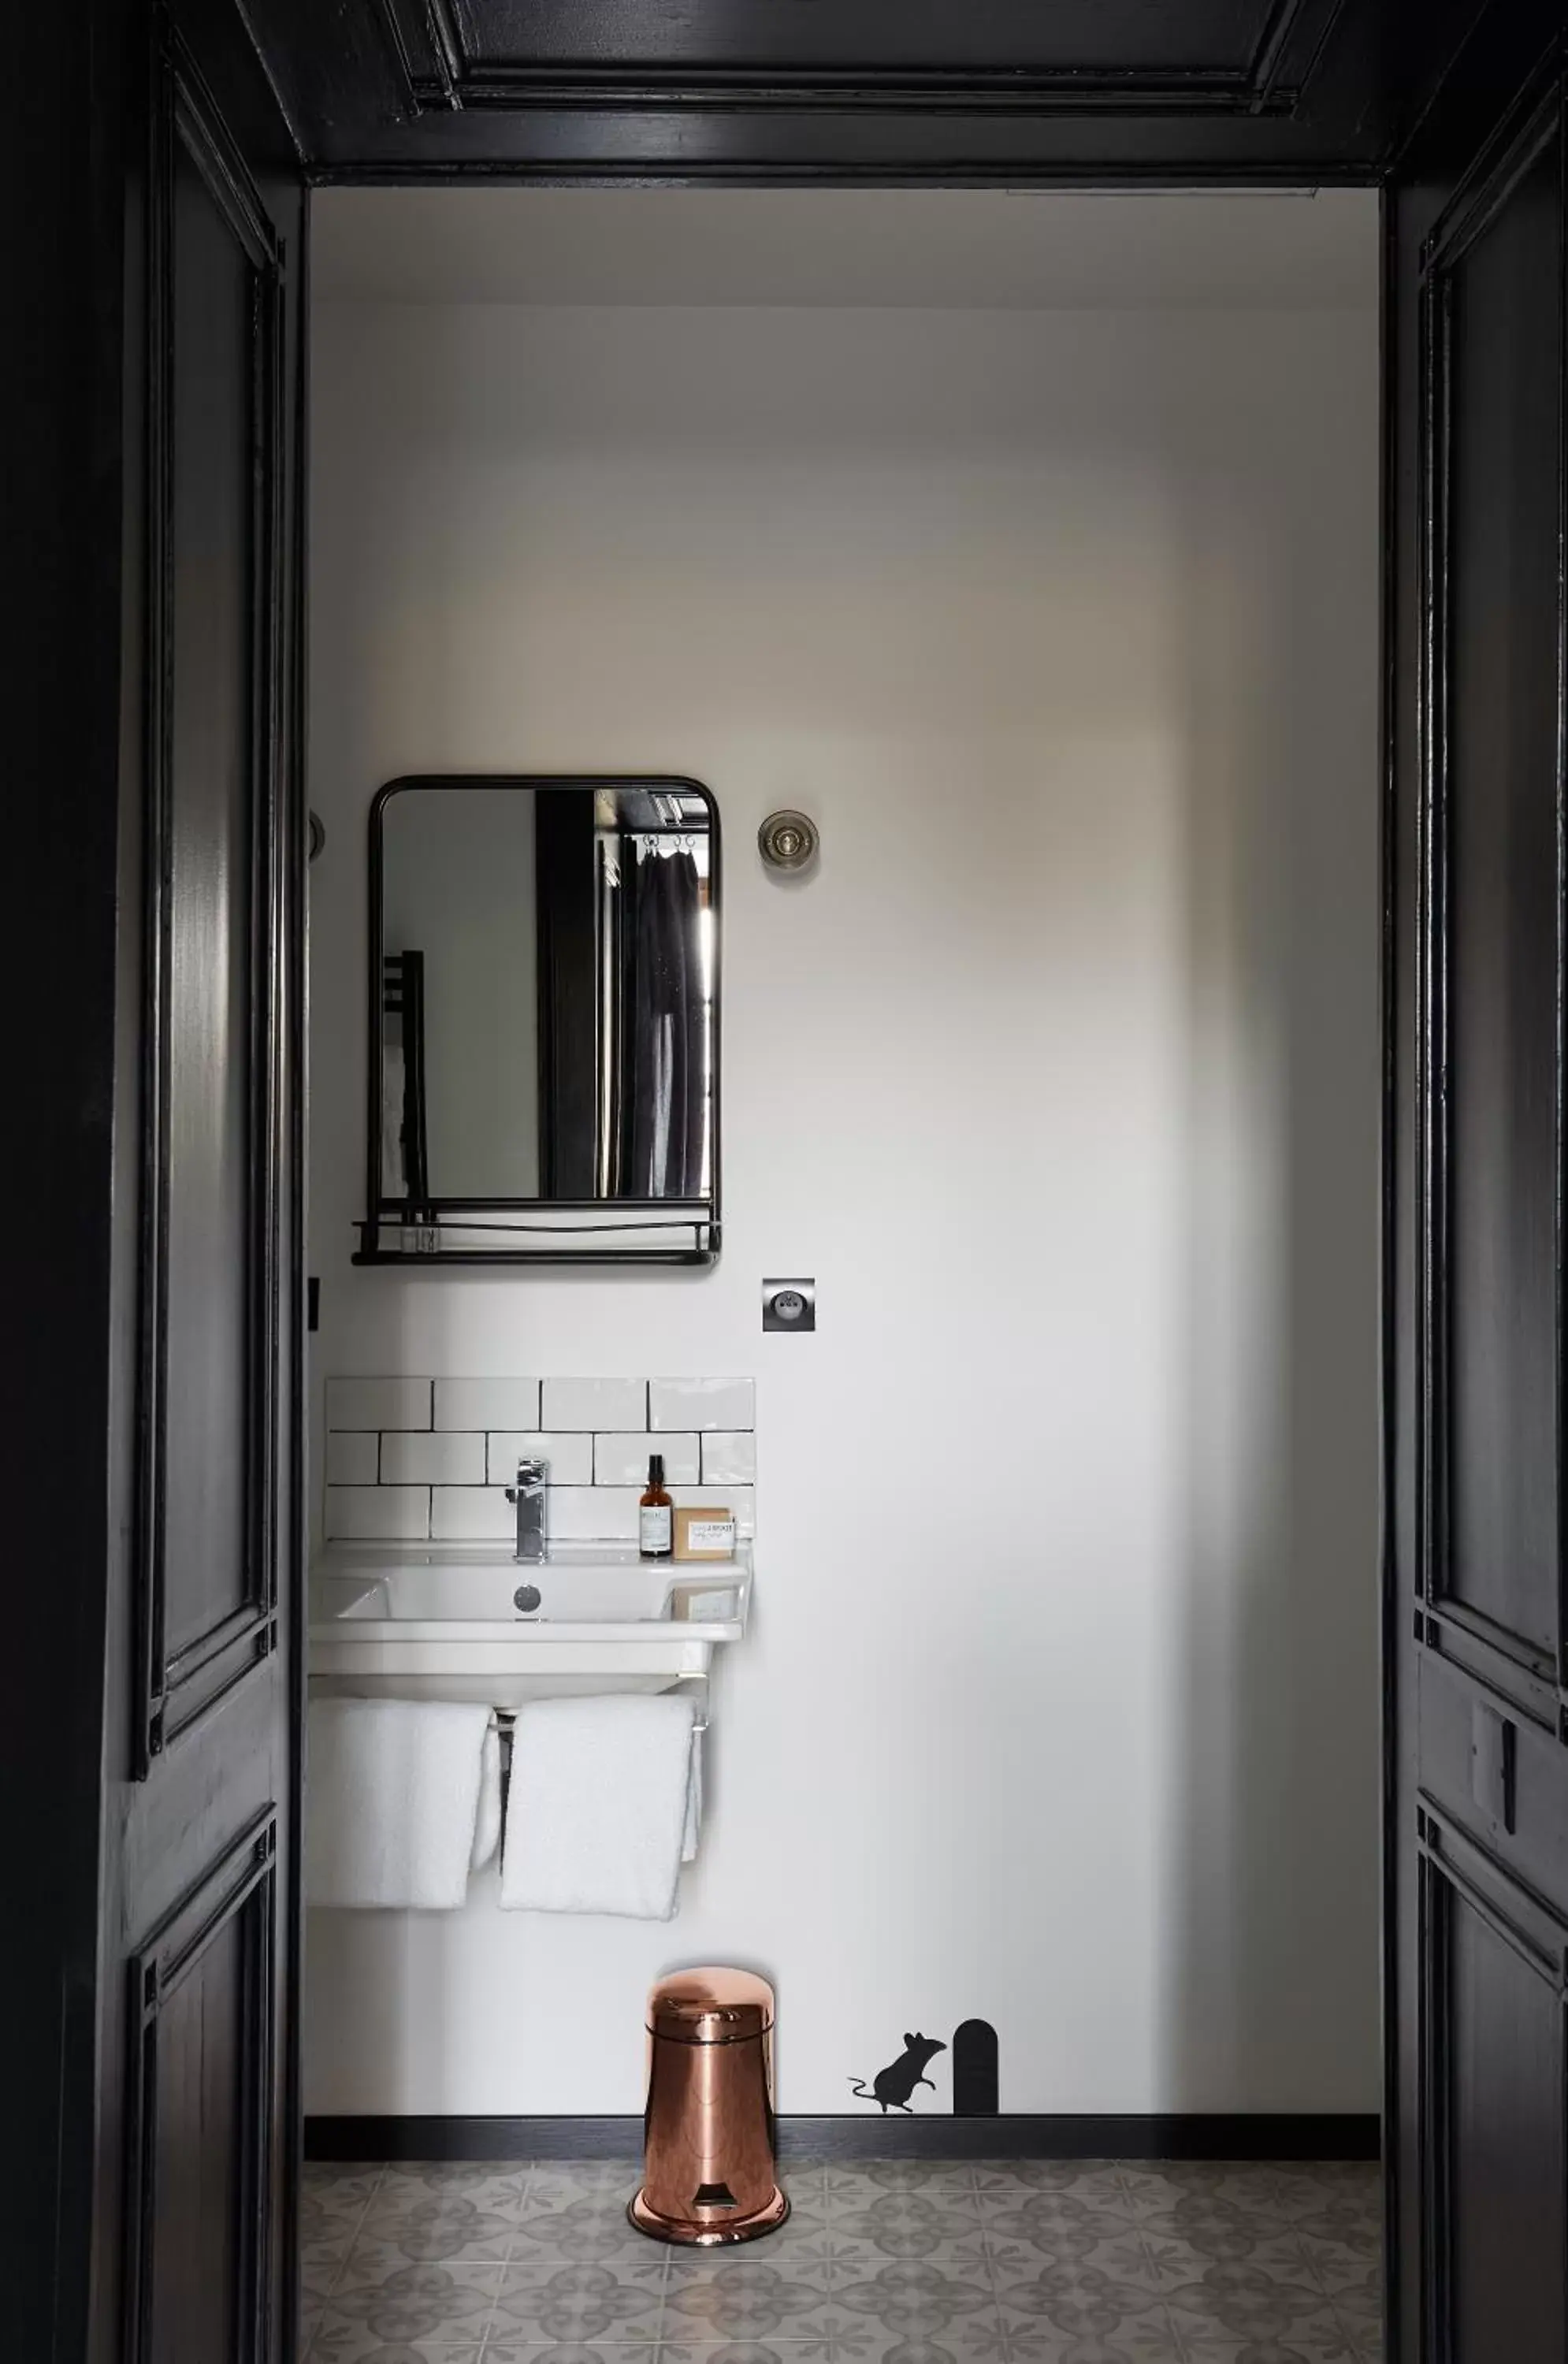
(703, 1532)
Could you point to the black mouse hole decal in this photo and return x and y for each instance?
(975, 2075)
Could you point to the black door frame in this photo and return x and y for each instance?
(66, 161)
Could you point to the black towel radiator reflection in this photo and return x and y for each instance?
(403, 997)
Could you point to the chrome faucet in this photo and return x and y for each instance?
(528, 1495)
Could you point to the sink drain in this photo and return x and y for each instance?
(526, 1597)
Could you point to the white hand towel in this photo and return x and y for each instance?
(394, 1796)
(596, 1815)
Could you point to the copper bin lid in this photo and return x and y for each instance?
(710, 2007)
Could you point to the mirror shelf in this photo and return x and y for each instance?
(544, 1021)
(668, 1235)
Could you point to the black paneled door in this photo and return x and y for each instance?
(200, 1942)
(1479, 1689)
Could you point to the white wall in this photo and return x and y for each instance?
(1060, 1707)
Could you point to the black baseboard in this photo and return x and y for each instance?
(1263, 2136)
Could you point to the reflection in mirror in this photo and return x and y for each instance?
(545, 1006)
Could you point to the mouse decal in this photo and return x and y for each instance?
(894, 2086)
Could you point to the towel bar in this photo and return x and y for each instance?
(503, 1723)
(503, 1719)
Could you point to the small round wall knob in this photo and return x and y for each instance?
(787, 840)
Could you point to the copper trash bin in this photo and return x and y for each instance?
(708, 2133)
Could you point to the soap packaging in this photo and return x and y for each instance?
(704, 1533)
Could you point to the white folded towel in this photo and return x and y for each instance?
(601, 1805)
(401, 1793)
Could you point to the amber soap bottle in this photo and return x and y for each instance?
(656, 1515)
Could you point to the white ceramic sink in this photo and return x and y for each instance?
(441, 1621)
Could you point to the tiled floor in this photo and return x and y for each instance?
(1029, 2262)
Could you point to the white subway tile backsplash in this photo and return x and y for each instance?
(594, 1403)
(701, 1403)
(378, 1403)
(377, 1513)
(473, 1515)
(571, 1456)
(407, 1458)
(729, 1456)
(437, 1458)
(740, 1501)
(352, 1458)
(592, 1514)
(486, 1403)
(622, 1459)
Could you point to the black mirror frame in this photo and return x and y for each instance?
(697, 1217)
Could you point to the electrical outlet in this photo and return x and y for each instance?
(789, 1305)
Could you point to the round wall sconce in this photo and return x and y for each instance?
(788, 840)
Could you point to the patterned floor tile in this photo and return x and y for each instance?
(1249, 2351)
(333, 2200)
(753, 2351)
(337, 2341)
(1010, 2261)
(435, 2228)
(509, 2346)
(906, 2223)
(1343, 2231)
(341, 2183)
(320, 2265)
(556, 2181)
(746, 2295)
(1058, 2225)
(1043, 2174)
(1147, 2341)
(481, 2182)
(1244, 2301)
(586, 2226)
(1204, 2225)
(919, 2301)
(1068, 2298)
(1013, 2183)
(874, 2175)
(582, 2303)
(382, 2293)
(958, 2344)
(365, 2348)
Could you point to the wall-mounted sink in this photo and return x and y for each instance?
(443, 1621)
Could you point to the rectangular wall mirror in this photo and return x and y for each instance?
(544, 1021)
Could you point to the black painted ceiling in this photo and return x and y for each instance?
(887, 90)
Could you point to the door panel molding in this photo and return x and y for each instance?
(176, 1684)
(1457, 1877)
(1532, 1675)
(453, 54)
(239, 1893)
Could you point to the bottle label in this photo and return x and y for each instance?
(715, 1536)
(654, 1533)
